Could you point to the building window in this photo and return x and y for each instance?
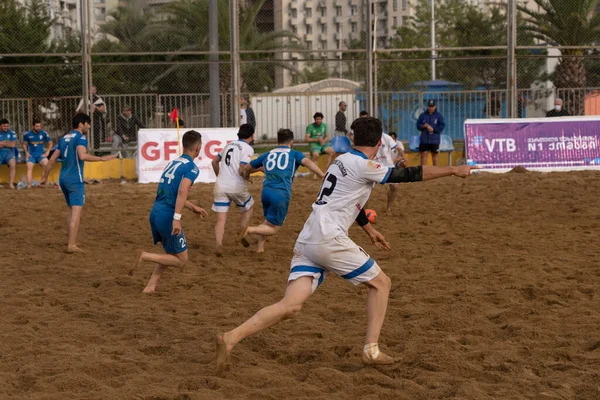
(100, 14)
(395, 21)
(324, 44)
(338, 11)
(395, 5)
(323, 12)
(404, 20)
(323, 28)
(294, 13)
(353, 10)
(403, 5)
(338, 27)
(308, 12)
(309, 45)
(308, 29)
(294, 29)
(354, 27)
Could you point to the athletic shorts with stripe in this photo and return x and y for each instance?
(341, 256)
(243, 201)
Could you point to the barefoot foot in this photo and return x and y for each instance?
(381, 359)
(74, 249)
(136, 262)
(222, 351)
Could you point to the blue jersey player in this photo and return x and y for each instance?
(72, 148)
(165, 217)
(8, 141)
(37, 145)
(280, 165)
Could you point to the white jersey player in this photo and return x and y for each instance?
(230, 185)
(324, 246)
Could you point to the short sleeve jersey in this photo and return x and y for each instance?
(35, 142)
(317, 132)
(71, 170)
(399, 145)
(174, 173)
(280, 165)
(11, 137)
(345, 190)
(229, 179)
(385, 154)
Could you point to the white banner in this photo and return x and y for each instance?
(157, 147)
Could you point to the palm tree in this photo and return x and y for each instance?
(566, 23)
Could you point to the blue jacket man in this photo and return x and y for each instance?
(431, 124)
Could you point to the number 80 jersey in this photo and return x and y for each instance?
(346, 188)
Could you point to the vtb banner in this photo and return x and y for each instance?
(157, 147)
(540, 144)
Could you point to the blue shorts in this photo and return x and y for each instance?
(74, 193)
(275, 207)
(162, 226)
(5, 157)
(36, 159)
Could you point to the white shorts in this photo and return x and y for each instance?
(341, 256)
(242, 200)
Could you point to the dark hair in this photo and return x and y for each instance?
(80, 118)
(191, 139)
(284, 136)
(3, 121)
(363, 113)
(341, 102)
(394, 135)
(36, 121)
(367, 131)
(317, 115)
(246, 131)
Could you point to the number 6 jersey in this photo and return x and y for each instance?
(346, 188)
(229, 179)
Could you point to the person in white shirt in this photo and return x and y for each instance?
(323, 246)
(230, 185)
(401, 160)
(386, 155)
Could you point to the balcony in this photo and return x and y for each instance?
(308, 20)
(323, 20)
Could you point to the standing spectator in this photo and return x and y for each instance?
(246, 113)
(350, 134)
(431, 124)
(340, 120)
(557, 111)
(8, 141)
(36, 151)
(127, 127)
(318, 140)
(399, 149)
(98, 109)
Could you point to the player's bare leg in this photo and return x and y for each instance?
(163, 261)
(379, 291)
(220, 232)
(73, 223)
(297, 292)
(244, 221)
(29, 174)
(315, 159)
(434, 159)
(424, 155)
(12, 171)
(265, 229)
(392, 194)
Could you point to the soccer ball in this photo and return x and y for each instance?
(371, 215)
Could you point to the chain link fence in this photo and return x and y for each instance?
(295, 58)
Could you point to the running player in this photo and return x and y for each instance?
(323, 246)
(72, 148)
(230, 185)
(165, 217)
(36, 151)
(8, 141)
(385, 156)
(318, 140)
(280, 165)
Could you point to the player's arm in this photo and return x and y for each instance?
(182, 194)
(376, 238)
(215, 164)
(11, 143)
(313, 167)
(199, 211)
(83, 155)
(25, 148)
(426, 173)
(49, 165)
(309, 139)
(49, 146)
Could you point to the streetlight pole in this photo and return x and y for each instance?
(433, 52)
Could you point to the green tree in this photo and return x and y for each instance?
(567, 23)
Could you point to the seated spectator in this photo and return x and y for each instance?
(126, 130)
(557, 111)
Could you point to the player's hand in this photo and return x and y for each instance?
(464, 170)
(46, 154)
(378, 239)
(108, 158)
(321, 141)
(176, 227)
(200, 212)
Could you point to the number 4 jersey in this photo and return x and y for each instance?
(280, 165)
(229, 179)
(346, 188)
(168, 188)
